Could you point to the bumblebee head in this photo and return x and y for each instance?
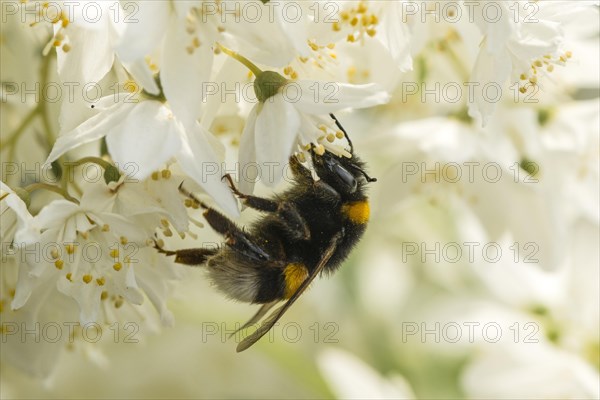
(346, 175)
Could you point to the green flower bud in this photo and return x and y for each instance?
(267, 84)
(111, 174)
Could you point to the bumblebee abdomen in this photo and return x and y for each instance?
(357, 212)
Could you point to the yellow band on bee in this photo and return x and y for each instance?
(295, 275)
(357, 212)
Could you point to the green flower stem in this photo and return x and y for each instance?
(249, 64)
(52, 188)
(94, 160)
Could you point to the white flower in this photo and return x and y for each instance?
(351, 378)
(85, 34)
(293, 119)
(529, 371)
(89, 255)
(17, 222)
(179, 37)
(144, 134)
(270, 38)
(523, 50)
(151, 203)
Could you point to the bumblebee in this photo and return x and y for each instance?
(308, 230)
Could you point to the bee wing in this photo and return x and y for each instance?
(277, 314)
(256, 317)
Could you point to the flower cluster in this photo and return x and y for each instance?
(475, 115)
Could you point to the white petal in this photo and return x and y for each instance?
(87, 297)
(247, 166)
(91, 55)
(183, 75)
(142, 37)
(351, 378)
(296, 32)
(492, 71)
(317, 97)
(198, 160)
(142, 74)
(277, 126)
(397, 36)
(146, 139)
(90, 130)
(54, 214)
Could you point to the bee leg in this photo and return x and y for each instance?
(193, 256)
(287, 211)
(328, 192)
(234, 236)
(187, 256)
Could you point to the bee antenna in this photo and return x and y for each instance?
(344, 131)
(367, 177)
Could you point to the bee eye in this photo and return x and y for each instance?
(346, 177)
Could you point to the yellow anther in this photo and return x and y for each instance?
(538, 63)
(105, 228)
(196, 42)
(339, 134)
(354, 21)
(336, 27)
(331, 138)
(350, 38)
(54, 253)
(119, 302)
(523, 77)
(550, 68)
(117, 266)
(569, 54)
(131, 86)
(59, 264)
(123, 240)
(101, 281)
(155, 176)
(104, 295)
(114, 253)
(69, 276)
(166, 173)
(319, 149)
(371, 32)
(70, 248)
(87, 278)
